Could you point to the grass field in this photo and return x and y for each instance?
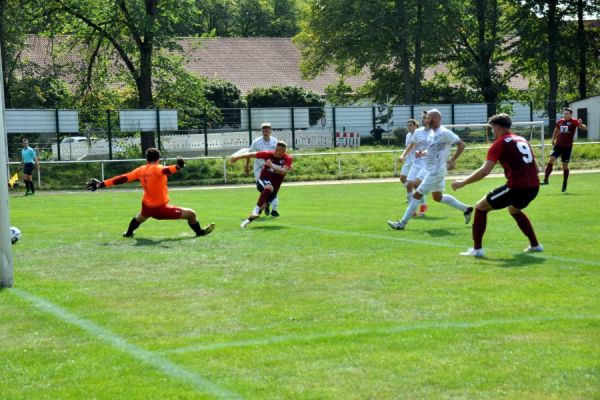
(325, 302)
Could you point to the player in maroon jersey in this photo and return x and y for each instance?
(562, 142)
(516, 158)
(277, 164)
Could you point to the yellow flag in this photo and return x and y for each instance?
(12, 180)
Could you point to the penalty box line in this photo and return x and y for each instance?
(377, 331)
(150, 358)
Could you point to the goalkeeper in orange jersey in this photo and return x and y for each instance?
(155, 202)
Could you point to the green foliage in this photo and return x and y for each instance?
(394, 40)
(223, 94)
(339, 93)
(41, 91)
(264, 18)
(287, 96)
(441, 90)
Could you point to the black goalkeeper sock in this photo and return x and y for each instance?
(133, 225)
(31, 186)
(196, 228)
(27, 186)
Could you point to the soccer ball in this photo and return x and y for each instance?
(15, 234)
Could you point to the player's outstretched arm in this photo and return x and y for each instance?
(242, 157)
(94, 184)
(481, 173)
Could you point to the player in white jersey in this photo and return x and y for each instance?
(407, 157)
(265, 142)
(420, 142)
(436, 164)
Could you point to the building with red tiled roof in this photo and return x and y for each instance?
(247, 62)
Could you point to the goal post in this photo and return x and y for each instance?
(482, 134)
(6, 259)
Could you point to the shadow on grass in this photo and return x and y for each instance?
(269, 227)
(428, 218)
(440, 232)
(517, 261)
(160, 242)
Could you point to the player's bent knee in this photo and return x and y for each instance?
(189, 214)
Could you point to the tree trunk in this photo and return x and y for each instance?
(406, 78)
(418, 54)
(581, 41)
(485, 50)
(552, 37)
(144, 86)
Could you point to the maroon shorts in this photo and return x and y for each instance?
(165, 211)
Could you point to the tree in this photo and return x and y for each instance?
(136, 31)
(482, 46)
(396, 39)
(17, 19)
(540, 26)
(339, 93)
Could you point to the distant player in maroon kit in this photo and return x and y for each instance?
(277, 164)
(562, 142)
(516, 158)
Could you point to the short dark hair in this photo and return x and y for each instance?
(568, 109)
(502, 120)
(152, 154)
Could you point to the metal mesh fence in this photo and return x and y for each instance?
(68, 135)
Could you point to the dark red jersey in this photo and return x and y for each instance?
(566, 131)
(516, 157)
(269, 173)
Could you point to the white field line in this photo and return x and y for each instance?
(400, 238)
(378, 331)
(153, 359)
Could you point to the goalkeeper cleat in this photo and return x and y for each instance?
(207, 229)
(564, 187)
(127, 234)
(545, 182)
(534, 249)
(468, 214)
(268, 209)
(472, 253)
(274, 213)
(396, 225)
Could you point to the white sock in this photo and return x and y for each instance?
(453, 202)
(275, 204)
(410, 210)
(256, 210)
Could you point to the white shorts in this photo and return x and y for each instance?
(432, 183)
(405, 168)
(416, 172)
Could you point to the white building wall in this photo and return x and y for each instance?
(593, 115)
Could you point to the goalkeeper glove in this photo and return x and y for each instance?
(180, 163)
(94, 184)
